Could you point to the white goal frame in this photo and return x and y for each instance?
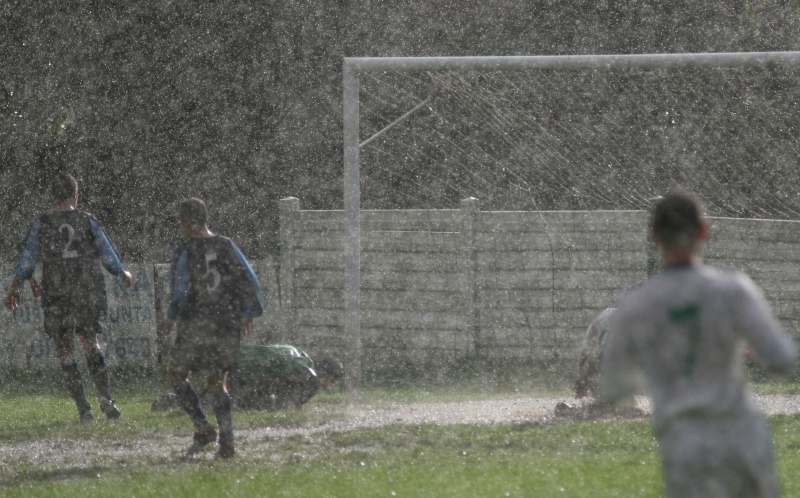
(353, 66)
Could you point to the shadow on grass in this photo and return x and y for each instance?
(55, 428)
(54, 475)
(61, 474)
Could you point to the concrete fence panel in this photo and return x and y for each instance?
(445, 283)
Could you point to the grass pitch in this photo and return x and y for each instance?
(598, 459)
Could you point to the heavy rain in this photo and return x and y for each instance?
(499, 211)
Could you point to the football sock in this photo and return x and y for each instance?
(99, 372)
(72, 377)
(222, 410)
(190, 402)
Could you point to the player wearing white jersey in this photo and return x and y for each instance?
(592, 354)
(684, 333)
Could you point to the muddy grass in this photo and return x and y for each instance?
(107, 454)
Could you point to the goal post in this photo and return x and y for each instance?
(355, 67)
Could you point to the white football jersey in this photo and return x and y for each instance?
(683, 334)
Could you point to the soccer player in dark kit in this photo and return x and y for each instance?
(71, 245)
(215, 295)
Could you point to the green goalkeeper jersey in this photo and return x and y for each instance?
(278, 376)
(272, 361)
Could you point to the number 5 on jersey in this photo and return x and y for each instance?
(212, 274)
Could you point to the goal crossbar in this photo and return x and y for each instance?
(501, 63)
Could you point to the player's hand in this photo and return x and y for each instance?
(581, 388)
(750, 356)
(126, 277)
(247, 326)
(12, 299)
(36, 289)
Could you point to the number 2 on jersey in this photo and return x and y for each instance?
(68, 253)
(211, 271)
(688, 318)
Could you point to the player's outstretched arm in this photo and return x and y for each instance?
(13, 299)
(767, 341)
(25, 266)
(252, 295)
(109, 255)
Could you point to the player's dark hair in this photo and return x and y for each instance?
(63, 187)
(676, 219)
(328, 366)
(193, 211)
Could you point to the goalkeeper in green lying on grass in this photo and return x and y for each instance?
(273, 377)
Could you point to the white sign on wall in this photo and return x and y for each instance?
(129, 327)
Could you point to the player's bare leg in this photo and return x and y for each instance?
(72, 375)
(190, 402)
(217, 386)
(97, 368)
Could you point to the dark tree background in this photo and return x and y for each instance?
(239, 102)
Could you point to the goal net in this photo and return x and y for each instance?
(593, 138)
(554, 149)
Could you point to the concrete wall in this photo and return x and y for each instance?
(439, 284)
(769, 252)
(443, 283)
